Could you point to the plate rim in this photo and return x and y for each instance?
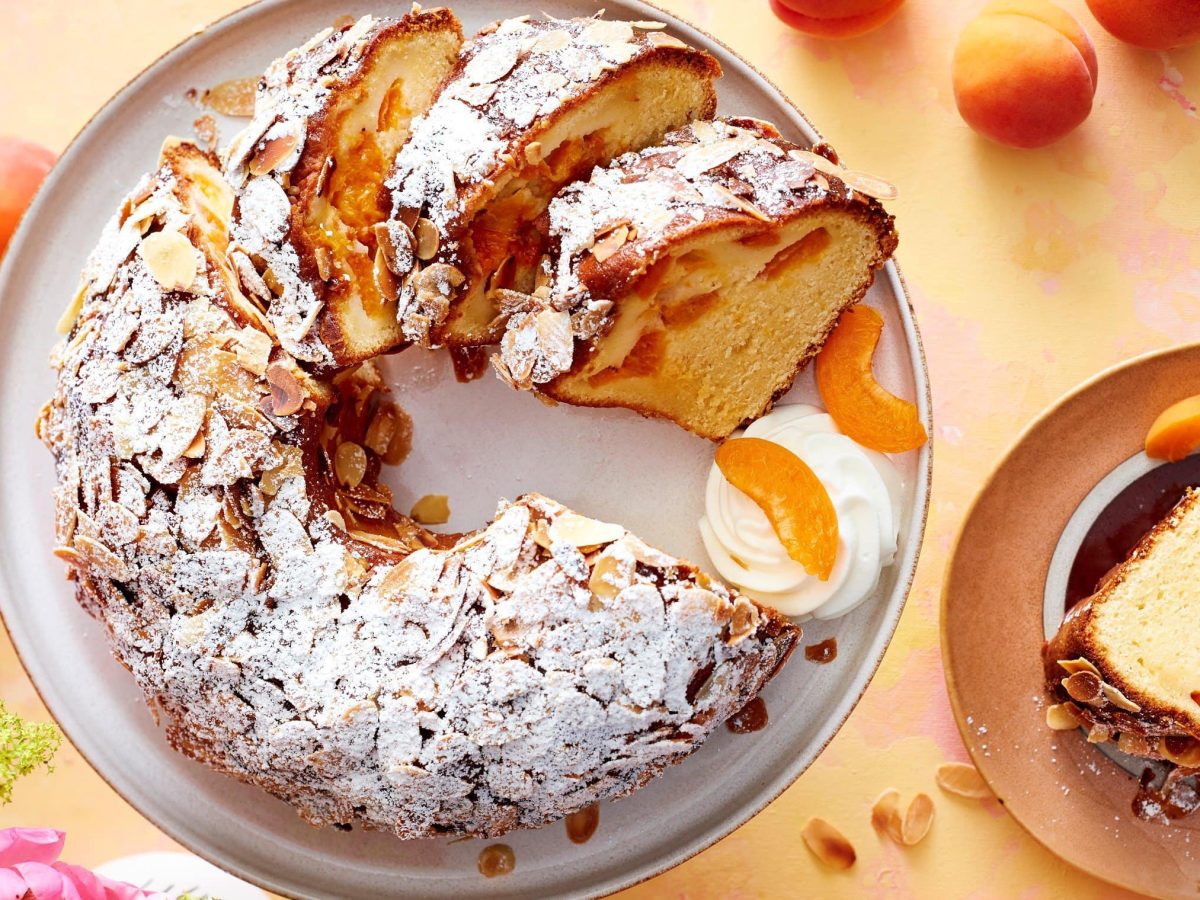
(880, 643)
(965, 730)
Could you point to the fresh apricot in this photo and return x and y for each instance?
(1025, 73)
(1176, 433)
(790, 494)
(861, 407)
(23, 165)
(1151, 24)
(835, 18)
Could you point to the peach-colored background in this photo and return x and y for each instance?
(1030, 271)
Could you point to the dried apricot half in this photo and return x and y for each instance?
(1176, 432)
(792, 496)
(860, 406)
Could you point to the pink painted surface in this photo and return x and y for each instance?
(1030, 271)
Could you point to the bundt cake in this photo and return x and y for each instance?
(529, 107)
(1121, 665)
(694, 279)
(222, 517)
(329, 118)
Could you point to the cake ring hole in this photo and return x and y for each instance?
(1100, 534)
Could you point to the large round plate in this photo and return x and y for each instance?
(1046, 493)
(475, 443)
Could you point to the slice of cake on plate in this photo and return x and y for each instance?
(1126, 662)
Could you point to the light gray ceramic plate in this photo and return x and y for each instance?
(473, 442)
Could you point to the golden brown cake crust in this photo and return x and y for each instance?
(1129, 712)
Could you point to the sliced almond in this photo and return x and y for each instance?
(662, 39)
(551, 41)
(323, 257)
(610, 243)
(350, 464)
(1119, 700)
(253, 350)
(859, 181)
(533, 153)
(287, 396)
(432, 509)
(584, 533)
(885, 813)
(602, 582)
(962, 780)
(828, 844)
(649, 25)
(232, 98)
(171, 259)
(608, 32)
(271, 154)
(427, 239)
(1071, 666)
(1084, 687)
(336, 519)
(1060, 718)
(71, 314)
(398, 259)
(917, 820)
(385, 281)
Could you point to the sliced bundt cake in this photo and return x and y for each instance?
(530, 106)
(329, 118)
(692, 280)
(1126, 661)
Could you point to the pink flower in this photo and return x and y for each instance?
(29, 867)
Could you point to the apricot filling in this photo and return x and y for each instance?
(790, 495)
(1175, 434)
(862, 408)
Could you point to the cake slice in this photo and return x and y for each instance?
(692, 281)
(1126, 662)
(329, 119)
(530, 107)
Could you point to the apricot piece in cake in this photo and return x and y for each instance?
(1176, 432)
(1024, 73)
(790, 495)
(863, 408)
(835, 18)
(1150, 24)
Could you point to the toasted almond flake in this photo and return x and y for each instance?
(171, 259)
(427, 239)
(385, 281)
(1060, 718)
(1136, 744)
(310, 319)
(492, 63)
(253, 350)
(917, 820)
(432, 509)
(662, 39)
(287, 395)
(1071, 666)
(610, 243)
(533, 152)
(271, 154)
(607, 33)
(232, 98)
(828, 844)
(350, 464)
(962, 780)
(649, 25)
(71, 314)
(602, 582)
(335, 518)
(195, 450)
(385, 242)
(885, 813)
(859, 181)
(551, 41)
(1084, 687)
(584, 533)
(1119, 700)
(323, 257)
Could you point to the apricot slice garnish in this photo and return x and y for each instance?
(790, 494)
(1175, 433)
(860, 406)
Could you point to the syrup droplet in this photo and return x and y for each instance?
(824, 652)
(497, 859)
(751, 717)
(581, 825)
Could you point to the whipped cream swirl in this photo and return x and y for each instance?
(866, 490)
